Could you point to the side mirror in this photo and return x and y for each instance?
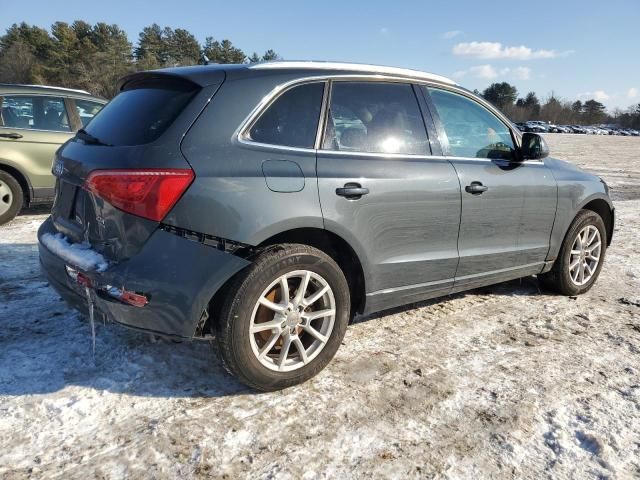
(533, 147)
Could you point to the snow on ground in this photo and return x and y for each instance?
(504, 381)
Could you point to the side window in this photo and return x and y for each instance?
(87, 110)
(375, 118)
(17, 112)
(472, 130)
(35, 112)
(292, 119)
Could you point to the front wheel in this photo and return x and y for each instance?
(284, 317)
(581, 256)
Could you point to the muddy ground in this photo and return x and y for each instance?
(500, 382)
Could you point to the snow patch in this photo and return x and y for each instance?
(78, 254)
(504, 381)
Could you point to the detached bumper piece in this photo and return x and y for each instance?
(125, 296)
(220, 243)
(163, 289)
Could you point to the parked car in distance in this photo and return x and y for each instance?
(630, 132)
(265, 205)
(538, 127)
(34, 122)
(577, 129)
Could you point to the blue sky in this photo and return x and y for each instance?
(577, 49)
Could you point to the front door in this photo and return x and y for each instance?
(382, 191)
(508, 207)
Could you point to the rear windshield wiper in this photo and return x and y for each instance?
(87, 137)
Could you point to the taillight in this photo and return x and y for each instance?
(148, 193)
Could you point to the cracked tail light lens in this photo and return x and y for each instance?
(147, 193)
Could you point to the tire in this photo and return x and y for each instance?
(560, 279)
(242, 349)
(11, 197)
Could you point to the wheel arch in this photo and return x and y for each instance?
(20, 177)
(605, 210)
(338, 249)
(328, 242)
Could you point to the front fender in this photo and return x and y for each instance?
(571, 199)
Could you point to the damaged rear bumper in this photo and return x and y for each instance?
(177, 276)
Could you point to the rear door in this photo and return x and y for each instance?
(32, 129)
(508, 207)
(381, 189)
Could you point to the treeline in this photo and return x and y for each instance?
(556, 110)
(94, 57)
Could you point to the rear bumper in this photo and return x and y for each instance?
(178, 276)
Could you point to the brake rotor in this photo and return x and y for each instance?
(265, 315)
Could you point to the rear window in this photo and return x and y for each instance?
(140, 115)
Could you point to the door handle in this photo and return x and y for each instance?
(476, 188)
(352, 191)
(13, 136)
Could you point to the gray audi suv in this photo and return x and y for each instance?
(266, 205)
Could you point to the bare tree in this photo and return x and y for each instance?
(16, 63)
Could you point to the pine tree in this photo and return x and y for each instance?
(222, 52)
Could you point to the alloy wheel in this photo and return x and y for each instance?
(585, 255)
(292, 320)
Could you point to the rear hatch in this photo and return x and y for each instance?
(119, 177)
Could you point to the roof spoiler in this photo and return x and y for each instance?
(195, 76)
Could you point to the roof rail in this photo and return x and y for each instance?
(360, 67)
(75, 90)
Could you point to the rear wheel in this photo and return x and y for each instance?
(284, 317)
(581, 256)
(11, 197)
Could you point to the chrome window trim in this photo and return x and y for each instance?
(515, 133)
(241, 132)
(242, 135)
(388, 156)
(326, 97)
(482, 159)
(67, 132)
(61, 97)
(53, 94)
(476, 98)
(408, 82)
(48, 87)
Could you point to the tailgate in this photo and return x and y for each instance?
(141, 128)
